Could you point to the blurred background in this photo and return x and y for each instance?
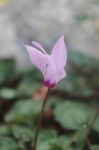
(45, 21)
(70, 121)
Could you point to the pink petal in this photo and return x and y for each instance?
(38, 46)
(50, 70)
(38, 59)
(60, 75)
(59, 53)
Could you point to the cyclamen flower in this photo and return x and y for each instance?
(51, 65)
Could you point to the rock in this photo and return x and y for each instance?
(45, 21)
(9, 44)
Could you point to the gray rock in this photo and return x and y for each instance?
(9, 43)
(45, 21)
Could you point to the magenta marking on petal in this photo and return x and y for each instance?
(52, 85)
(47, 83)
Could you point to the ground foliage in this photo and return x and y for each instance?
(69, 110)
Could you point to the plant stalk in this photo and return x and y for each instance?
(93, 120)
(40, 120)
(90, 126)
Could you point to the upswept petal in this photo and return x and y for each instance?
(60, 75)
(59, 53)
(38, 46)
(38, 59)
(42, 62)
(50, 69)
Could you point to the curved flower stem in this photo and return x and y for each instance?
(40, 120)
(90, 126)
(93, 120)
(88, 143)
(86, 129)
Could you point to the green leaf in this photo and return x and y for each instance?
(95, 147)
(37, 75)
(46, 135)
(96, 124)
(22, 132)
(7, 93)
(7, 71)
(76, 148)
(4, 130)
(48, 140)
(8, 144)
(83, 62)
(51, 144)
(26, 87)
(72, 115)
(24, 111)
(43, 146)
